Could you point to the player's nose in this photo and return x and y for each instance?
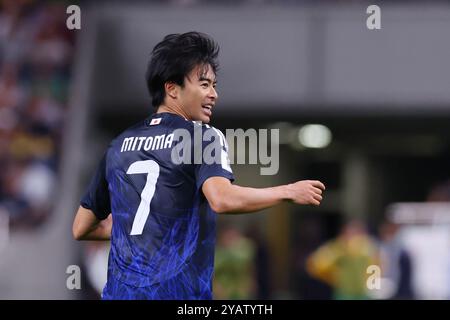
(213, 94)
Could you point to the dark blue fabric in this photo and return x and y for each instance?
(173, 257)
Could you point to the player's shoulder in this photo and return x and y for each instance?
(207, 131)
(213, 131)
(205, 128)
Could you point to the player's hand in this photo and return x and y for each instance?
(306, 192)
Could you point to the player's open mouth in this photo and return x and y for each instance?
(207, 108)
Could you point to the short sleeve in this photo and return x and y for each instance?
(215, 161)
(97, 197)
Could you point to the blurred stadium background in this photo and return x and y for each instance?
(381, 97)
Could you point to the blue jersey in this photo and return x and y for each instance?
(163, 234)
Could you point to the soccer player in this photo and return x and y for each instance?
(158, 212)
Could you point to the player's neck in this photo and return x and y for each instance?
(175, 110)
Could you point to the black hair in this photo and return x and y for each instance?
(175, 57)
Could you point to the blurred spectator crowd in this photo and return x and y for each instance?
(35, 60)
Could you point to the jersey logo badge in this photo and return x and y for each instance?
(155, 121)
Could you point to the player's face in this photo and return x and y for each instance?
(198, 96)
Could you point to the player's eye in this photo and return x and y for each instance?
(204, 85)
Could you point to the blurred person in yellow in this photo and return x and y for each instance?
(342, 262)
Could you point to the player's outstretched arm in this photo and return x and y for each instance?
(225, 197)
(87, 226)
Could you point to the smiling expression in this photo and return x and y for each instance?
(198, 95)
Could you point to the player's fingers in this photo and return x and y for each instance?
(317, 190)
(315, 202)
(317, 197)
(318, 184)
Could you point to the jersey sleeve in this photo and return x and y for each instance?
(97, 197)
(215, 161)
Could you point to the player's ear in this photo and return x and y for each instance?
(171, 89)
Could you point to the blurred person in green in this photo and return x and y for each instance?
(342, 262)
(234, 272)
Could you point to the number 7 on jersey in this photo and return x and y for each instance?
(151, 168)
